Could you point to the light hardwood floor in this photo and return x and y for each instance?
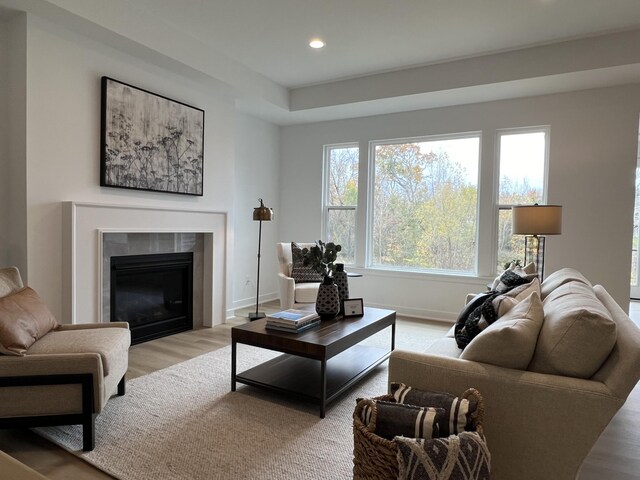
(611, 458)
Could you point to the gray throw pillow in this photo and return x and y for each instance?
(300, 272)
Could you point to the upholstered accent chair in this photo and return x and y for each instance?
(292, 292)
(66, 375)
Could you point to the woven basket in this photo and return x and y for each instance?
(374, 457)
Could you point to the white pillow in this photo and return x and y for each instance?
(505, 302)
(511, 340)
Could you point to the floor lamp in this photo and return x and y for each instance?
(260, 214)
(535, 221)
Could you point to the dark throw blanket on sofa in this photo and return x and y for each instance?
(479, 313)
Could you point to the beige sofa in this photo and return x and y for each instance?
(292, 293)
(542, 421)
(63, 377)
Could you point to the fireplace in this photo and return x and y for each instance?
(153, 293)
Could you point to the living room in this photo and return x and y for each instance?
(264, 138)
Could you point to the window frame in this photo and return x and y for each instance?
(326, 207)
(496, 191)
(371, 169)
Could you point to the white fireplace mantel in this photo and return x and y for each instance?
(84, 225)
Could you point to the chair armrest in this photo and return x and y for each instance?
(86, 326)
(526, 413)
(287, 291)
(56, 364)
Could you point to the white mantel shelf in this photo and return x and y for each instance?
(84, 225)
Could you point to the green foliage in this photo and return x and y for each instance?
(424, 210)
(322, 257)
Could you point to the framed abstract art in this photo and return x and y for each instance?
(150, 142)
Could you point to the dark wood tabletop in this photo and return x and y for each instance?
(322, 342)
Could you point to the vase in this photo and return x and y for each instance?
(327, 301)
(340, 278)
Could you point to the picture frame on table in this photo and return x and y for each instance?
(150, 142)
(353, 307)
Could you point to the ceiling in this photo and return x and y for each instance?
(382, 56)
(369, 36)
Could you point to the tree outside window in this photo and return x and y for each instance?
(341, 198)
(425, 203)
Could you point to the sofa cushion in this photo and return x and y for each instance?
(577, 334)
(511, 340)
(300, 272)
(111, 344)
(388, 419)
(445, 346)
(24, 318)
(559, 278)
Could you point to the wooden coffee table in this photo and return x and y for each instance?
(318, 364)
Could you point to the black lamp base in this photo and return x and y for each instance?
(256, 315)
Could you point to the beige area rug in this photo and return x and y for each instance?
(183, 422)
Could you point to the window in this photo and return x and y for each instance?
(425, 204)
(522, 169)
(341, 198)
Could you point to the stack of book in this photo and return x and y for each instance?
(292, 320)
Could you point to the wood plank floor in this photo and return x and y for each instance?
(606, 460)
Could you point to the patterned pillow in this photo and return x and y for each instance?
(486, 308)
(513, 276)
(461, 457)
(300, 272)
(389, 419)
(462, 413)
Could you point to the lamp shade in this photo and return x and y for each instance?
(262, 213)
(537, 219)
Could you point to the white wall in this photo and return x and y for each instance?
(63, 128)
(593, 145)
(13, 234)
(4, 142)
(256, 176)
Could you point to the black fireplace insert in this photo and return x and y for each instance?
(153, 293)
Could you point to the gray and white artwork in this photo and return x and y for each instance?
(150, 142)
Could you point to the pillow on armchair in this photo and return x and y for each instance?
(24, 318)
(300, 272)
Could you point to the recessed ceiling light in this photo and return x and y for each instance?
(316, 43)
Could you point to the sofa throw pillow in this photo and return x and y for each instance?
(561, 277)
(511, 340)
(488, 307)
(502, 304)
(577, 334)
(300, 272)
(513, 276)
(388, 419)
(464, 457)
(462, 413)
(24, 318)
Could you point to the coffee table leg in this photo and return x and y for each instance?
(393, 336)
(323, 387)
(233, 366)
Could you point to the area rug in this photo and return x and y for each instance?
(183, 422)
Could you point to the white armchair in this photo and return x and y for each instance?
(292, 293)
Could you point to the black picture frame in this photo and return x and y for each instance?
(353, 307)
(149, 142)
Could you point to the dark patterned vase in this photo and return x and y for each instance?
(327, 301)
(341, 280)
